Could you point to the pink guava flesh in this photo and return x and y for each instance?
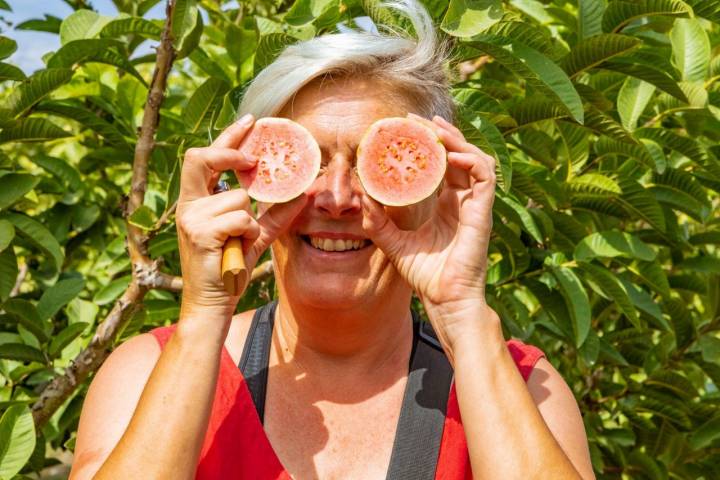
(288, 160)
(400, 161)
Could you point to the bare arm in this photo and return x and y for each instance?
(147, 412)
(514, 430)
(162, 437)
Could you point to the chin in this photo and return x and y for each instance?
(326, 290)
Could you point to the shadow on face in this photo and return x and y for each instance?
(337, 112)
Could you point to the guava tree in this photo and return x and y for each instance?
(604, 117)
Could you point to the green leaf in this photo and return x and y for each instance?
(591, 52)
(21, 353)
(27, 315)
(269, 47)
(590, 17)
(620, 13)
(87, 119)
(465, 18)
(307, 11)
(683, 145)
(632, 101)
(205, 100)
(664, 410)
(60, 169)
(662, 80)
(710, 348)
(17, 439)
(131, 26)
(612, 289)
(31, 129)
(15, 186)
(82, 24)
(8, 273)
(143, 217)
(511, 209)
(705, 434)
(10, 72)
(8, 46)
(37, 235)
(50, 24)
(577, 302)
(682, 322)
(7, 233)
(112, 290)
(100, 50)
(535, 68)
(691, 49)
(481, 132)
(709, 9)
(63, 339)
(184, 19)
(34, 89)
(610, 244)
(57, 296)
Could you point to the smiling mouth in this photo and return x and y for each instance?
(335, 245)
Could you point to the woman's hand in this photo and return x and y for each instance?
(445, 260)
(205, 221)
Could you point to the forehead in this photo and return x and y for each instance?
(337, 112)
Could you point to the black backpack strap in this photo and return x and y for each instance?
(422, 417)
(256, 355)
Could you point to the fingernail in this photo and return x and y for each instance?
(245, 118)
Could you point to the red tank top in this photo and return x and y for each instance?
(236, 446)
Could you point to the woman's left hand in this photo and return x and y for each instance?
(445, 260)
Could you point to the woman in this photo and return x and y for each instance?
(334, 397)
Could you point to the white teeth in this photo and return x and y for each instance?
(336, 245)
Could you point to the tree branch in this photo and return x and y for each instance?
(62, 386)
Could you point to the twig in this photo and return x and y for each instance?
(90, 359)
(61, 387)
(157, 279)
(19, 280)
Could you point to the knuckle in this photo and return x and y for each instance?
(193, 154)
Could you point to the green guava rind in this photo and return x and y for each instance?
(400, 161)
(288, 160)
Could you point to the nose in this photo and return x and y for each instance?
(337, 193)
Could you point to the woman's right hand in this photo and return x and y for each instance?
(205, 221)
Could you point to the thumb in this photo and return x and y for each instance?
(381, 229)
(273, 222)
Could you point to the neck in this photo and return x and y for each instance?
(355, 340)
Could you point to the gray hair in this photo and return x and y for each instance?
(416, 68)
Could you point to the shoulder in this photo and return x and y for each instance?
(556, 403)
(111, 400)
(526, 356)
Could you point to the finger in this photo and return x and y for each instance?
(232, 136)
(238, 223)
(454, 142)
(220, 203)
(202, 166)
(274, 221)
(480, 167)
(448, 126)
(381, 229)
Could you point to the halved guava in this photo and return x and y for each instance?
(288, 160)
(400, 161)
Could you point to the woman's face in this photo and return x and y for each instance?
(337, 113)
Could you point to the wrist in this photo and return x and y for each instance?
(465, 325)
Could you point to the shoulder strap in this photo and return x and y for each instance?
(256, 355)
(422, 416)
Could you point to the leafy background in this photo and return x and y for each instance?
(605, 120)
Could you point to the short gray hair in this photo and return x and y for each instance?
(415, 67)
